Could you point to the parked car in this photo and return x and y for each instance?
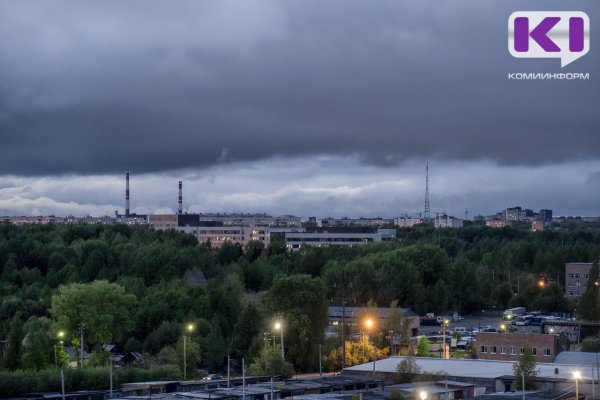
(212, 377)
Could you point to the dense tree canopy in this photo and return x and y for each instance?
(136, 287)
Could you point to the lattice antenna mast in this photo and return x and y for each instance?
(427, 213)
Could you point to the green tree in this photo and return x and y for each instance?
(588, 307)
(423, 347)
(525, 367)
(407, 370)
(357, 352)
(39, 345)
(193, 355)
(399, 327)
(248, 327)
(591, 344)
(300, 300)
(14, 347)
(102, 308)
(270, 363)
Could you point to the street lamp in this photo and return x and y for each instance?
(503, 328)
(60, 335)
(423, 395)
(279, 327)
(189, 328)
(577, 376)
(370, 324)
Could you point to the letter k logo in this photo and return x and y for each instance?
(539, 34)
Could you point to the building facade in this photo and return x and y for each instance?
(218, 235)
(163, 221)
(510, 346)
(314, 236)
(576, 278)
(445, 221)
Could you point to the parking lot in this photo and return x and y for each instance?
(475, 322)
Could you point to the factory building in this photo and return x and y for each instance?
(315, 236)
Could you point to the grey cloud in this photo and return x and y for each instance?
(99, 87)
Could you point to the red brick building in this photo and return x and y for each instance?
(510, 346)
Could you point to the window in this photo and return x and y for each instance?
(513, 350)
(483, 349)
(571, 276)
(577, 275)
(522, 350)
(493, 350)
(534, 351)
(547, 351)
(503, 350)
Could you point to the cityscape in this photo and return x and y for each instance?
(309, 200)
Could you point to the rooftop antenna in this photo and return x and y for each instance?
(466, 213)
(180, 211)
(427, 213)
(127, 193)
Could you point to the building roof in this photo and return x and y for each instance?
(484, 369)
(353, 312)
(578, 358)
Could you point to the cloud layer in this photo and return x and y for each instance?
(344, 99)
(316, 186)
(96, 87)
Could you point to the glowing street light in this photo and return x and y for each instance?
(444, 324)
(60, 335)
(370, 324)
(423, 395)
(189, 328)
(279, 327)
(577, 377)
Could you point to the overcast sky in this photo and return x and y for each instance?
(326, 108)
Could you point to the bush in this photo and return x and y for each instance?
(13, 383)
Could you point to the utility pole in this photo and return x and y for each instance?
(81, 343)
(343, 319)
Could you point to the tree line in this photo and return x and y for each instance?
(138, 288)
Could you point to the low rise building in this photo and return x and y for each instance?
(510, 346)
(353, 316)
(445, 221)
(497, 223)
(347, 236)
(407, 222)
(163, 221)
(537, 225)
(218, 235)
(490, 375)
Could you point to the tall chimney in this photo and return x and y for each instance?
(127, 193)
(180, 197)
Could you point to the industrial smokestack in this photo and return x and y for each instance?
(127, 193)
(180, 197)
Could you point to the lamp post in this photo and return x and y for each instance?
(60, 335)
(577, 376)
(370, 324)
(502, 328)
(279, 327)
(423, 395)
(189, 328)
(444, 323)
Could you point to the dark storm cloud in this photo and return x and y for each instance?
(94, 87)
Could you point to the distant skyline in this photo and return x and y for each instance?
(324, 108)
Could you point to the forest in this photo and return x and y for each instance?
(138, 289)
